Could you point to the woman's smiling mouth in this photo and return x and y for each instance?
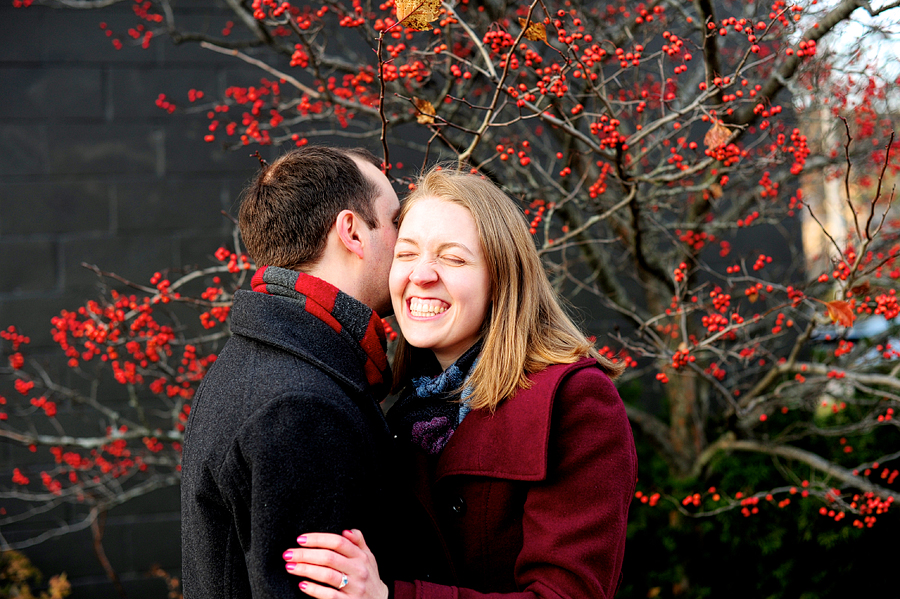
(426, 308)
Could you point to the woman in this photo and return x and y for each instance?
(516, 439)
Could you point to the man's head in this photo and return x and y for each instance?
(329, 212)
(287, 211)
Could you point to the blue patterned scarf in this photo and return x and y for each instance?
(432, 407)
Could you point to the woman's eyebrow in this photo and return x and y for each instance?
(441, 247)
(450, 244)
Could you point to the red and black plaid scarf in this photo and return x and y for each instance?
(348, 317)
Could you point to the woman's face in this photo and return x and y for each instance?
(440, 284)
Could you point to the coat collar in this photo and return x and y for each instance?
(284, 323)
(513, 442)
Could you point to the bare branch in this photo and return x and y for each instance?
(281, 75)
(845, 476)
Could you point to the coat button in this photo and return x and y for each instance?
(458, 506)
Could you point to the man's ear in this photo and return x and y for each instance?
(348, 226)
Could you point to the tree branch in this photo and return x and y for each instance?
(813, 460)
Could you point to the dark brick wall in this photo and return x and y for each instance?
(92, 171)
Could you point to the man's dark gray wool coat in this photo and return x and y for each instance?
(284, 438)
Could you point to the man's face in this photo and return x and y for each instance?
(381, 241)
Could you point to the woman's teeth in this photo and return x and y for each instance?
(423, 309)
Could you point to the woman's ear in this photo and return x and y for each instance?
(348, 226)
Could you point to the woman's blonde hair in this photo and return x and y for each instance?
(526, 328)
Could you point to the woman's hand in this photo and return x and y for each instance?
(326, 559)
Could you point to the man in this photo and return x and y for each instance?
(286, 435)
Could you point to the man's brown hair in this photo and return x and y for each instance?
(287, 211)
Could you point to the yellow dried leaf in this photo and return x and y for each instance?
(841, 312)
(717, 135)
(418, 14)
(534, 31)
(426, 112)
(715, 190)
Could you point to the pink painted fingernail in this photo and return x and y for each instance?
(287, 555)
(303, 586)
(301, 539)
(290, 566)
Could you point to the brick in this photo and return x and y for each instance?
(186, 152)
(154, 539)
(52, 92)
(18, 532)
(199, 250)
(136, 585)
(59, 205)
(135, 257)
(31, 463)
(132, 549)
(79, 421)
(236, 74)
(31, 315)
(18, 30)
(173, 203)
(73, 554)
(209, 19)
(39, 34)
(133, 541)
(234, 187)
(157, 506)
(103, 149)
(191, 53)
(24, 149)
(117, 546)
(28, 266)
(133, 92)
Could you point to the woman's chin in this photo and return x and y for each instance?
(418, 341)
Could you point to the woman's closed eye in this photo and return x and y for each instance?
(452, 260)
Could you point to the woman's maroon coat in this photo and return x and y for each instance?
(531, 501)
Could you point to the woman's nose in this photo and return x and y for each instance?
(423, 273)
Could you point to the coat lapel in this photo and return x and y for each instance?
(511, 443)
